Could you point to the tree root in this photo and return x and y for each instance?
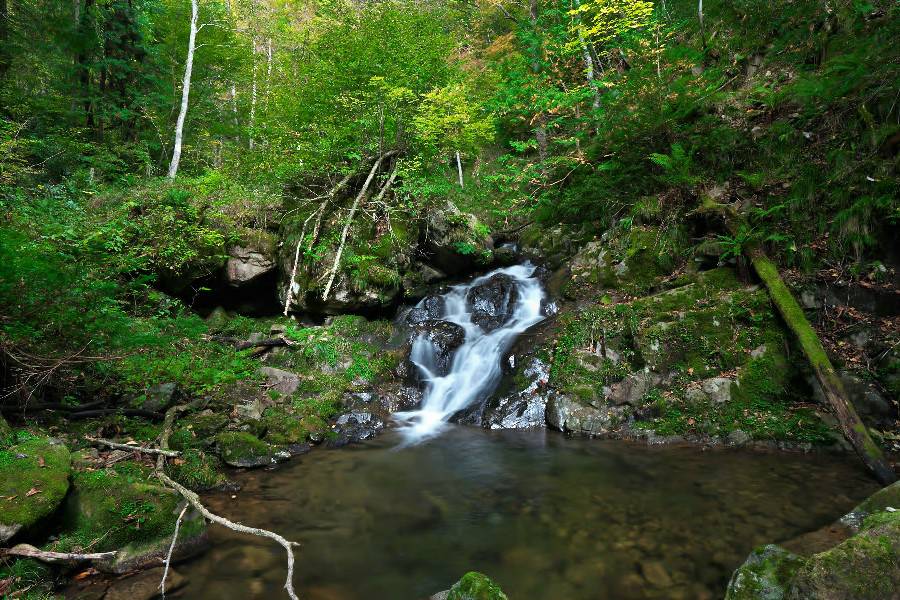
(130, 448)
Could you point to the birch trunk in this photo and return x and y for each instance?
(362, 194)
(185, 92)
(540, 129)
(588, 61)
(459, 169)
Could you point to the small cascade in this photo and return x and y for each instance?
(492, 311)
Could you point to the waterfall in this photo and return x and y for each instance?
(475, 368)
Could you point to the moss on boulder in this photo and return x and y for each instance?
(34, 479)
(240, 449)
(475, 586)
(6, 432)
(864, 567)
(765, 575)
(115, 511)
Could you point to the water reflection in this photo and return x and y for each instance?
(546, 516)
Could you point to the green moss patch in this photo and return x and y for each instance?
(476, 586)
(34, 479)
(240, 449)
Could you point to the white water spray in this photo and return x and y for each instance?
(475, 369)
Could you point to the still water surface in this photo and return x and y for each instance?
(548, 517)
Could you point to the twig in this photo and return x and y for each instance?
(194, 500)
(128, 412)
(30, 551)
(117, 446)
(162, 584)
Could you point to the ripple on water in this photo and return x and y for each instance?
(546, 516)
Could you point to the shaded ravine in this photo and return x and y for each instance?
(547, 516)
(490, 329)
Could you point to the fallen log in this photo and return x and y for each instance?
(852, 427)
(130, 448)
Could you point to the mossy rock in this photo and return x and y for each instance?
(117, 510)
(765, 575)
(34, 479)
(196, 470)
(284, 429)
(240, 449)
(197, 430)
(888, 497)
(476, 586)
(864, 567)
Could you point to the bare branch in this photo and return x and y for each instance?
(130, 448)
(28, 551)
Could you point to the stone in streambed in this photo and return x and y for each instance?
(571, 416)
(34, 479)
(493, 302)
(445, 337)
(144, 586)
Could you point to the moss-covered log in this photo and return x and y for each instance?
(851, 425)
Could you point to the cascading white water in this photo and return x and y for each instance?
(475, 368)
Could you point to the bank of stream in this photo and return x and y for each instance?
(545, 515)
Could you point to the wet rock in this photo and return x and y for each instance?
(356, 426)
(524, 409)
(144, 586)
(493, 302)
(432, 307)
(283, 381)
(246, 265)
(444, 338)
(34, 479)
(245, 450)
(765, 575)
(570, 416)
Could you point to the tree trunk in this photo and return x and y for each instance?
(588, 61)
(253, 97)
(700, 16)
(851, 425)
(459, 169)
(356, 202)
(185, 93)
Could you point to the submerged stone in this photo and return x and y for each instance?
(34, 479)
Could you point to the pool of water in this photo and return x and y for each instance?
(546, 516)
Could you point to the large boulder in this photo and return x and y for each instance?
(493, 302)
(34, 479)
(135, 519)
(431, 307)
(436, 343)
(864, 564)
(246, 265)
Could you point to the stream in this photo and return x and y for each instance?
(548, 517)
